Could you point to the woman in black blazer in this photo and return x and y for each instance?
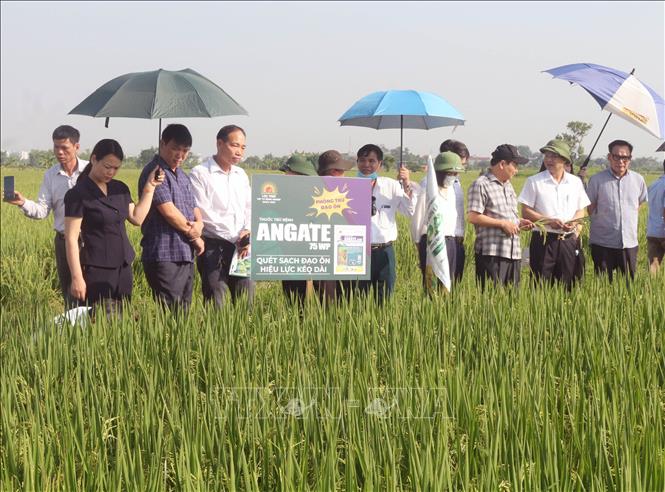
(97, 207)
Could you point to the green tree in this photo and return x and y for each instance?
(388, 162)
(577, 130)
(41, 158)
(146, 155)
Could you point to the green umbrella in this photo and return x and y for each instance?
(159, 94)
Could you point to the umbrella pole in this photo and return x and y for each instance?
(401, 146)
(401, 140)
(588, 157)
(159, 135)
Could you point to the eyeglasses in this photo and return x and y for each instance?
(373, 205)
(625, 158)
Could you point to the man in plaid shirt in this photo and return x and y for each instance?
(492, 209)
(172, 229)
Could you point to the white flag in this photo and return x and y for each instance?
(437, 255)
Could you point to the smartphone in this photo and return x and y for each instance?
(158, 173)
(8, 188)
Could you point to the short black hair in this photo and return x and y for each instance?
(225, 131)
(621, 143)
(177, 133)
(455, 146)
(366, 149)
(66, 132)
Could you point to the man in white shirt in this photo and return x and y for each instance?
(58, 180)
(447, 165)
(557, 198)
(388, 197)
(223, 194)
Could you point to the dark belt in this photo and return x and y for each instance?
(381, 245)
(218, 241)
(555, 235)
(458, 239)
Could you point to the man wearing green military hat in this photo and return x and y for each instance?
(558, 199)
(298, 165)
(447, 166)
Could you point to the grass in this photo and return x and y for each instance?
(525, 389)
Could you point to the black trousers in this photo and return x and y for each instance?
(500, 270)
(213, 266)
(108, 287)
(64, 275)
(456, 258)
(607, 260)
(555, 257)
(171, 282)
(383, 273)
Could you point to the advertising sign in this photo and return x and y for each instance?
(307, 227)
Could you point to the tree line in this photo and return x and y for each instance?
(573, 136)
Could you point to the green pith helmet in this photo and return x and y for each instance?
(298, 164)
(559, 147)
(449, 162)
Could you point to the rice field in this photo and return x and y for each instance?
(526, 389)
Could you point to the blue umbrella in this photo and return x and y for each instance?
(619, 93)
(402, 109)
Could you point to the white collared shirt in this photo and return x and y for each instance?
(224, 199)
(554, 200)
(452, 201)
(55, 185)
(390, 197)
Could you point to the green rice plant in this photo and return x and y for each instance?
(532, 388)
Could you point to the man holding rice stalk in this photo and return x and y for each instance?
(616, 195)
(492, 209)
(556, 200)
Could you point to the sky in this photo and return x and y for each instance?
(296, 67)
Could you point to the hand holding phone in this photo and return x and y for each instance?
(8, 189)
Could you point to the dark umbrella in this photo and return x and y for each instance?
(159, 94)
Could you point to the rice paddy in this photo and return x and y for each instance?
(519, 389)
